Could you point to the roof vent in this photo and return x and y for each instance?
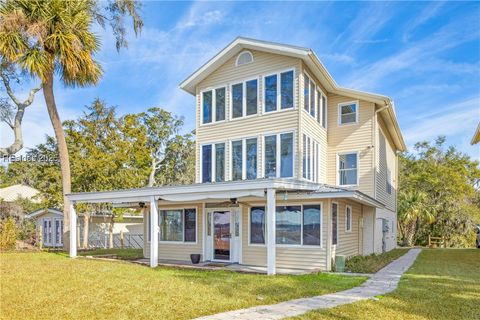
(244, 57)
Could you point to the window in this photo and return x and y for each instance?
(347, 169)
(348, 218)
(310, 159)
(237, 159)
(213, 105)
(244, 98)
(213, 162)
(278, 161)
(178, 225)
(306, 93)
(334, 223)
(311, 225)
(295, 225)
(220, 162)
(257, 225)
(244, 159)
(278, 94)
(47, 231)
(348, 113)
(322, 109)
(310, 103)
(244, 57)
(58, 231)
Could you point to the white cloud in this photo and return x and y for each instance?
(337, 57)
(426, 14)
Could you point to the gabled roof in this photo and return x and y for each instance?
(12, 193)
(41, 212)
(476, 136)
(314, 64)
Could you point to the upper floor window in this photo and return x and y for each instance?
(213, 105)
(278, 92)
(278, 156)
(348, 218)
(244, 159)
(309, 103)
(348, 113)
(322, 109)
(310, 159)
(213, 162)
(347, 169)
(244, 58)
(178, 225)
(244, 98)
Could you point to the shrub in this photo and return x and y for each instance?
(374, 262)
(8, 234)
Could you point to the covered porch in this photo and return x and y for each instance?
(239, 194)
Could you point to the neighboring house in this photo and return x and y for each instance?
(49, 225)
(12, 193)
(476, 136)
(291, 168)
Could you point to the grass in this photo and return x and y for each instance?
(374, 262)
(123, 254)
(442, 284)
(51, 286)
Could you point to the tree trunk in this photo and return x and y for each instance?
(410, 230)
(86, 224)
(151, 176)
(110, 233)
(63, 154)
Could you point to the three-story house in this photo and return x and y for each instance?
(291, 168)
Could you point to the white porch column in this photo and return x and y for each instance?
(271, 245)
(153, 233)
(73, 230)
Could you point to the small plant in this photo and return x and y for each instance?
(372, 263)
(8, 234)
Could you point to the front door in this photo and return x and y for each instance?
(221, 235)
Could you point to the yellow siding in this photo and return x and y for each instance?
(256, 125)
(352, 137)
(385, 159)
(177, 251)
(349, 243)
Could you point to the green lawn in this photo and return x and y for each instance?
(374, 262)
(123, 254)
(52, 286)
(442, 284)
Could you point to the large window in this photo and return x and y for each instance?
(278, 162)
(334, 223)
(213, 105)
(311, 166)
(309, 101)
(213, 162)
(178, 225)
(295, 225)
(244, 159)
(322, 109)
(348, 113)
(244, 98)
(347, 169)
(278, 91)
(348, 218)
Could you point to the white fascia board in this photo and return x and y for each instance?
(42, 212)
(136, 195)
(355, 195)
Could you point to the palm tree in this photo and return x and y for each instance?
(411, 210)
(49, 38)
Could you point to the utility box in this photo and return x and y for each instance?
(340, 263)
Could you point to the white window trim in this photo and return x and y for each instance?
(314, 159)
(238, 57)
(347, 208)
(183, 230)
(45, 234)
(244, 98)
(322, 94)
(278, 154)
(338, 168)
(244, 156)
(214, 106)
(57, 242)
(279, 92)
(316, 89)
(357, 111)
(331, 209)
(225, 178)
(301, 227)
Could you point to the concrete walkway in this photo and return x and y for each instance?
(382, 282)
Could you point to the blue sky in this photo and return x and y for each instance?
(425, 55)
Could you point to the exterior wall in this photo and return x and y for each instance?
(356, 137)
(39, 227)
(177, 250)
(256, 125)
(391, 235)
(368, 230)
(349, 243)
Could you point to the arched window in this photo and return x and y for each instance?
(244, 58)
